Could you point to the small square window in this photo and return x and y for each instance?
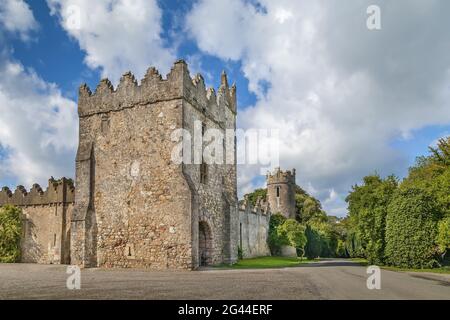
(129, 251)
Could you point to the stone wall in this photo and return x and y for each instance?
(217, 195)
(134, 206)
(139, 214)
(46, 234)
(46, 214)
(254, 229)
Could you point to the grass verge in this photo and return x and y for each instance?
(444, 269)
(266, 263)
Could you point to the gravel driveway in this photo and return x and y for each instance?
(329, 279)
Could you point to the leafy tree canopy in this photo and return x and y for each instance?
(10, 234)
(367, 205)
(292, 234)
(403, 224)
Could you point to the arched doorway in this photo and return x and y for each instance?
(204, 243)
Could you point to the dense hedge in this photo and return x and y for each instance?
(411, 229)
(10, 234)
(443, 238)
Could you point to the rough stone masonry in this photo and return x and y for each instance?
(135, 207)
(132, 206)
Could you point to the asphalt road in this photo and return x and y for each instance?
(330, 279)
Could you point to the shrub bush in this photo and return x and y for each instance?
(10, 234)
(274, 240)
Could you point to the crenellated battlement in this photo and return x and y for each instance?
(261, 206)
(280, 176)
(254, 222)
(58, 192)
(153, 88)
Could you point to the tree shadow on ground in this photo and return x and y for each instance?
(331, 263)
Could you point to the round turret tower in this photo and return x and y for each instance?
(281, 192)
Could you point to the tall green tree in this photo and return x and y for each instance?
(308, 208)
(367, 205)
(403, 224)
(292, 234)
(440, 155)
(412, 229)
(274, 240)
(314, 242)
(431, 177)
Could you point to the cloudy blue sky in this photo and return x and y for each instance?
(347, 101)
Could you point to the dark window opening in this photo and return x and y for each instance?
(278, 192)
(203, 173)
(203, 129)
(203, 166)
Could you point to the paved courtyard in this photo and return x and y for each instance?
(330, 279)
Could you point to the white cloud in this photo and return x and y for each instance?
(38, 127)
(17, 17)
(117, 35)
(338, 92)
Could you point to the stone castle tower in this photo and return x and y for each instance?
(281, 192)
(136, 207)
(131, 204)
